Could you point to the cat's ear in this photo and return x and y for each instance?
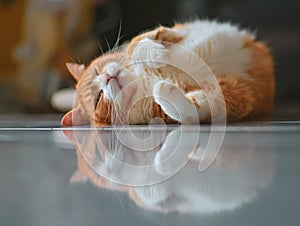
(67, 119)
(74, 117)
(76, 70)
(78, 177)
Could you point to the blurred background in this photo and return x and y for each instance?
(39, 36)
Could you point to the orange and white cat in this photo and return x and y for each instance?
(133, 85)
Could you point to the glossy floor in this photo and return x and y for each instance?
(149, 176)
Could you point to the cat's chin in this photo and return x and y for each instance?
(112, 91)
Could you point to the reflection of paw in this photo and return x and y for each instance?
(174, 102)
(150, 53)
(176, 151)
(152, 196)
(164, 167)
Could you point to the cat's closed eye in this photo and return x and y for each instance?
(96, 71)
(98, 98)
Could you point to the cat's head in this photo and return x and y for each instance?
(99, 91)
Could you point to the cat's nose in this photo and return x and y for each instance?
(114, 74)
(109, 76)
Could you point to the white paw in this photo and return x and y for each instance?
(165, 166)
(150, 53)
(174, 102)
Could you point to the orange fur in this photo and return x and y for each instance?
(103, 112)
(158, 112)
(251, 98)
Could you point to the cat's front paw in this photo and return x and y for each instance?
(168, 35)
(150, 53)
(174, 103)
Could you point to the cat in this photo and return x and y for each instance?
(133, 85)
(239, 173)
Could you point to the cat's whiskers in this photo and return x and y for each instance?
(119, 37)
(78, 58)
(115, 47)
(107, 44)
(109, 111)
(100, 47)
(116, 111)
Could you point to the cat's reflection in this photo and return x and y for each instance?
(114, 160)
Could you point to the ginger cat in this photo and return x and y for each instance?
(133, 85)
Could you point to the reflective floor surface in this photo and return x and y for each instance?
(178, 175)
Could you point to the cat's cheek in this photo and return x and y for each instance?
(122, 81)
(98, 80)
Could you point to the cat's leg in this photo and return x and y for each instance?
(241, 98)
(184, 108)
